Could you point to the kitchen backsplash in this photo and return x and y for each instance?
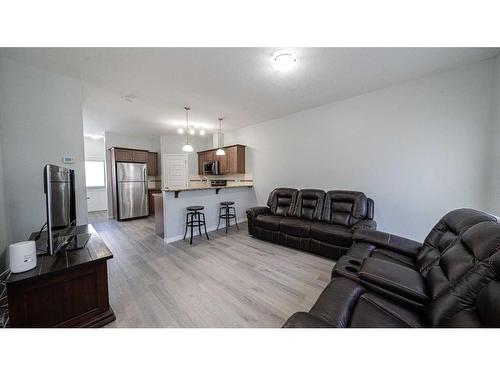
(154, 182)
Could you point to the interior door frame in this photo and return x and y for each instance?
(164, 166)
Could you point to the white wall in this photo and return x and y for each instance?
(150, 143)
(4, 218)
(172, 144)
(41, 121)
(494, 181)
(97, 198)
(418, 149)
(94, 148)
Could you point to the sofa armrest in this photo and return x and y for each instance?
(256, 211)
(388, 241)
(365, 224)
(394, 278)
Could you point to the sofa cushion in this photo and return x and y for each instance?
(270, 222)
(331, 233)
(295, 227)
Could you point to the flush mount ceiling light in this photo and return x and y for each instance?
(283, 60)
(191, 131)
(220, 151)
(180, 131)
(187, 147)
(202, 132)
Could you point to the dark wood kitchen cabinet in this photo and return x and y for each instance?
(122, 154)
(152, 164)
(140, 156)
(204, 156)
(151, 203)
(232, 162)
(235, 159)
(129, 155)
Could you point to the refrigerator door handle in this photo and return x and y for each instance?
(145, 182)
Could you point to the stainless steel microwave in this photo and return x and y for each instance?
(211, 167)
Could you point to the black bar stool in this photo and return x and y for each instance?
(195, 218)
(226, 213)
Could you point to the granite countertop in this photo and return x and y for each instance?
(249, 185)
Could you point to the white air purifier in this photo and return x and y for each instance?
(22, 256)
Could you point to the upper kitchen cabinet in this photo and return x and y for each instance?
(232, 162)
(130, 155)
(204, 156)
(152, 164)
(235, 159)
(140, 156)
(122, 154)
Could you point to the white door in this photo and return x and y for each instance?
(175, 171)
(97, 199)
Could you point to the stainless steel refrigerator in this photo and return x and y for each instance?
(132, 190)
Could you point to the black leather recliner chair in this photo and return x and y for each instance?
(458, 286)
(413, 254)
(312, 220)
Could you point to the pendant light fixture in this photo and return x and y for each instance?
(220, 151)
(187, 147)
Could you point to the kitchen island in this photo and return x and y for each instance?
(175, 202)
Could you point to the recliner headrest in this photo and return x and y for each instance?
(482, 239)
(353, 203)
(463, 218)
(281, 200)
(445, 232)
(309, 204)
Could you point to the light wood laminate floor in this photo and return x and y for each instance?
(232, 280)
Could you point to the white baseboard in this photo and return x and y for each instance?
(209, 229)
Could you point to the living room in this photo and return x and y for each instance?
(223, 185)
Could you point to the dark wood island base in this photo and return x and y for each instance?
(66, 290)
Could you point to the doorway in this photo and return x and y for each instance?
(95, 173)
(175, 171)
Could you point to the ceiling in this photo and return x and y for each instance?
(235, 83)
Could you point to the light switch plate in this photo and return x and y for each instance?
(68, 160)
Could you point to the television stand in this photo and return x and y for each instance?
(69, 289)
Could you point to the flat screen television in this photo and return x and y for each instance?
(60, 198)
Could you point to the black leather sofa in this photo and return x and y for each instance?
(450, 280)
(312, 220)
